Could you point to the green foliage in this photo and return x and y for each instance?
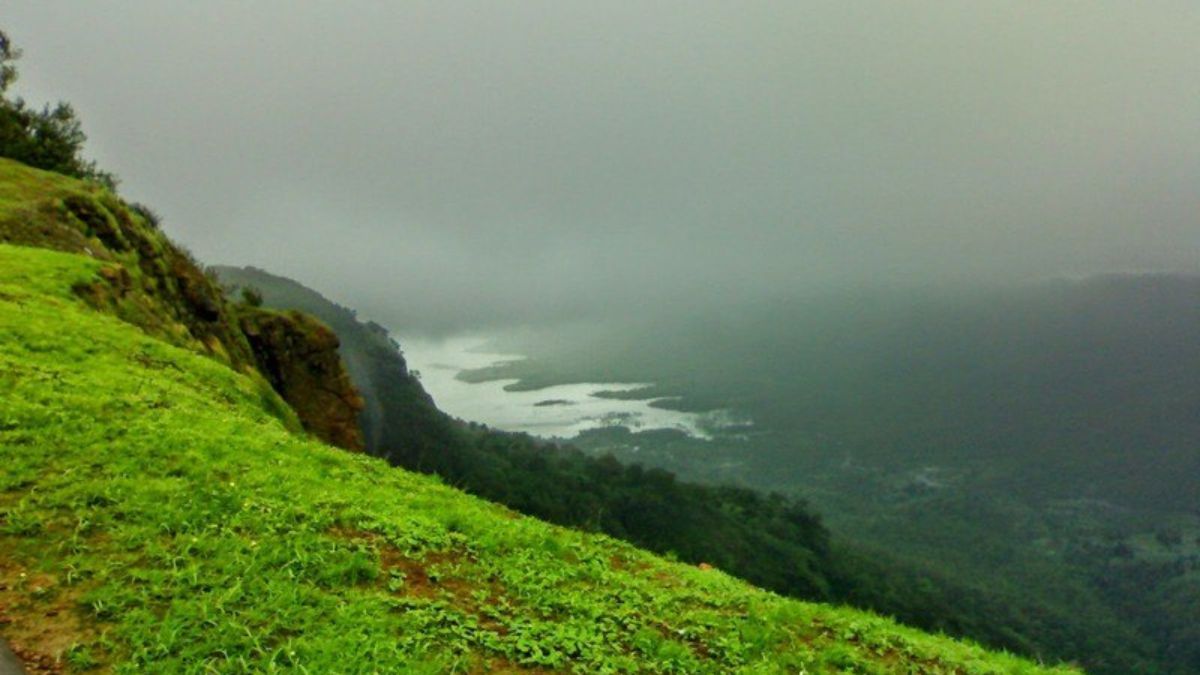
(148, 215)
(180, 527)
(252, 296)
(8, 57)
(51, 138)
(769, 540)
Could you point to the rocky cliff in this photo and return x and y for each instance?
(399, 421)
(160, 288)
(299, 357)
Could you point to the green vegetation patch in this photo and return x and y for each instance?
(154, 515)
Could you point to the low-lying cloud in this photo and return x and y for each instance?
(443, 164)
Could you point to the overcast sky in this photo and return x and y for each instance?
(466, 162)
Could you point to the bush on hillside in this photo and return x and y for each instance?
(252, 296)
(148, 214)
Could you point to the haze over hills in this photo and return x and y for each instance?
(915, 289)
(1095, 380)
(480, 165)
(166, 503)
(942, 541)
(1052, 426)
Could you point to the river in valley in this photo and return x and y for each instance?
(559, 411)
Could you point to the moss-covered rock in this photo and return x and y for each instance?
(164, 291)
(299, 357)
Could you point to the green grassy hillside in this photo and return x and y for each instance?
(162, 289)
(155, 513)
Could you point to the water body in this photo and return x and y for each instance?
(559, 411)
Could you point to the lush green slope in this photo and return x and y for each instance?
(1036, 609)
(158, 286)
(778, 544)
(154, 512)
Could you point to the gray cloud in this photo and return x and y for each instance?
(447, 163)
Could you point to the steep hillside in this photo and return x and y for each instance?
(155, 513)
(159, 287)
(399, 420)
(778, 544)
(775, 543)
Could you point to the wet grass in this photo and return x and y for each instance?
(156, 516)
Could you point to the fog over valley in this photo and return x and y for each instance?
(443, 165)
(883, 306)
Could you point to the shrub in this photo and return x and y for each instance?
(148, 214)
(252, 296)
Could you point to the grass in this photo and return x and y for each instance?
(157, 285)
(154, 515)
(32, 209)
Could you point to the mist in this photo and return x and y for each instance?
(443, 165)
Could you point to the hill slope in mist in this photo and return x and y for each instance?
(1038, 443)
(1094, 382)
(780, 546)
(155, 513)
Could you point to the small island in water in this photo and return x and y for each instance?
(552, 401)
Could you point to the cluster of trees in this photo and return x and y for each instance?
(770, 540)
(781, 544)
(1156, 585)
(50, 137)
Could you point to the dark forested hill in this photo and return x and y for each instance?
(1041, 441)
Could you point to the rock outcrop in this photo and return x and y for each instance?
(299, 357)
(399, 421)
(160, 288)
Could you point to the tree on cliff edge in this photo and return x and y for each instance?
(51, 138)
